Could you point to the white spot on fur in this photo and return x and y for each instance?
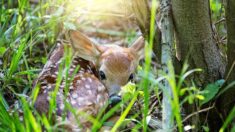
(78, 81)
(44, 87)
(99, 98)
(71, 70)
(74, 95)
(75, 61)
(81, 72)
(87, 86)
(62, 86)
(80, 100)
(62, 106)
(89, 79)
(54, 76)
(87, 102)
(73, 102)
(101, 88)
(89, 92)
(71, 87)
(49, 87)
(53, 66)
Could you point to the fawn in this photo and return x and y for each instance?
(104, 69)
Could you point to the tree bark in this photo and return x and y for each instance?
(227, 100)
(195, 42)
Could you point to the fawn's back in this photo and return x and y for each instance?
(103, 70)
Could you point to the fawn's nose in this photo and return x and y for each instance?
(114, 99)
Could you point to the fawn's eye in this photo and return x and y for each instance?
(131, 77)
(102, 75)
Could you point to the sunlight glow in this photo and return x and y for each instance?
(94, 9)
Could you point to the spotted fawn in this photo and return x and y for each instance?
(103, 70)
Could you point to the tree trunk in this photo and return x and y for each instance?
(194, 34)
(227, 100)
(167, 46)
(195, 41)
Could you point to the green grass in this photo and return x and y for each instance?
(228, 120)
(27, 35)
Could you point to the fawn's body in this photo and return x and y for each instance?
(103, 70)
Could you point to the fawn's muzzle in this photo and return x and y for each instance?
(114, 99)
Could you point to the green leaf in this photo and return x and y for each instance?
(200, 97)
(129, 88)
(206, 128)
(211, 90)
(2, 50)
(182, 91)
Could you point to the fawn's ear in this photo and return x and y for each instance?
(83, 47)
(138, 47)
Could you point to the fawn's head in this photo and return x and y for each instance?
(116, 65)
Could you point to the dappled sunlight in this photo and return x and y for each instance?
(104, 20)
